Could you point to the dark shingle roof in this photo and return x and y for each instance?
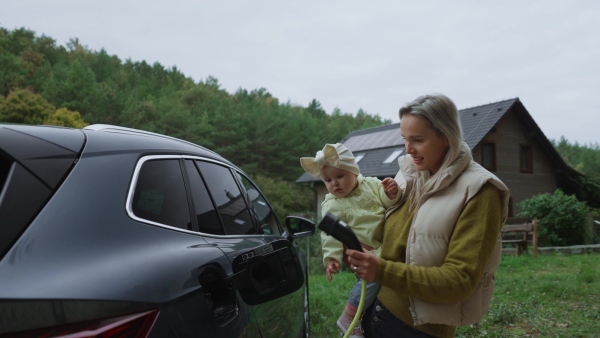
(380, 142)
(476, 122)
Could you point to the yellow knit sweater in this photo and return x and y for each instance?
(469, 248)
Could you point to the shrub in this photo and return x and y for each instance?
(562, 218)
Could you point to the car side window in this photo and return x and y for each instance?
(266, 216)
(160, 194)
(206, 215)
(228, 198)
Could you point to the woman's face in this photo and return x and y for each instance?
(423, 143)
(339, 182)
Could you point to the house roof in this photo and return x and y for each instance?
(477, 122)
(379, 143)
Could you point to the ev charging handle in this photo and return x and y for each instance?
(336, 228)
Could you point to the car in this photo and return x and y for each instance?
(117, 232)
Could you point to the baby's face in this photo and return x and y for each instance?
(339, 182)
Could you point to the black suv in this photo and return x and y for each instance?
(115, 232)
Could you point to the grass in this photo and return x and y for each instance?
(548, 296)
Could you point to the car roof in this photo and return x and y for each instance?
(100, 138)
(143, 141)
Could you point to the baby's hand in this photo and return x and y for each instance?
(333, 266)
(390, 186)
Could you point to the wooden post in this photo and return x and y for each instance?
(535, 225)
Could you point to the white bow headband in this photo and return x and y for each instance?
(334, 155)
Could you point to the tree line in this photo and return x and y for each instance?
(45, 83)
(583, 158)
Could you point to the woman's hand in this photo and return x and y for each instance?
(363, 264)
(332, 267)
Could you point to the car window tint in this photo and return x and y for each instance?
(228, 199)
(208, 219)
(160, 194)
(266, 216)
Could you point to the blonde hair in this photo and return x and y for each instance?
(442, 115)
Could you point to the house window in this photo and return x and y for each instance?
(359, 157)
(525, 158)
(393, 156)
(488, 155)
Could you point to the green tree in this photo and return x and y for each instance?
(52, 53)
(32, 60)
(583, 158)
(38, 79)
(54, 88)
(103, 65)
(314, 108)
(586, 160)
(140, 114)
(205, 103)
(17, 41)
(65, 118)
(297, 134)
(2, 117)
(80, 91)
(23, 106)
(109, 103)
(19, 59)
(12, 74)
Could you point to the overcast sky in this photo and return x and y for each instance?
(374, 55)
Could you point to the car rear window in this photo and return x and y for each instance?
(4, 168)
(33, 163)
(21, 198)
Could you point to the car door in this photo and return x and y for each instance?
(265, 266)
(208, 307)
(284, 316)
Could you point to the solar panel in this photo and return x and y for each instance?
(380, 139)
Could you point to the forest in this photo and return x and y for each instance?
(45, 83)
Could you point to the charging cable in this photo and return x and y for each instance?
(358, 315)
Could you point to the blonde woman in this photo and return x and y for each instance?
(441, 244)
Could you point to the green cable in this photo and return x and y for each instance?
(358, 315)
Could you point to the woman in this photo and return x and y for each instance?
(441, 243)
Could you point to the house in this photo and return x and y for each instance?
(503, 138)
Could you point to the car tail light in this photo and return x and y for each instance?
(136, 325)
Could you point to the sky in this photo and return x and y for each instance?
(351, 55)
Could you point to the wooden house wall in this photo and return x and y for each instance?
(508, 135)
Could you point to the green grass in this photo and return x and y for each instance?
(548, 296)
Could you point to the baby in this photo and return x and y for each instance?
(361, 203)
